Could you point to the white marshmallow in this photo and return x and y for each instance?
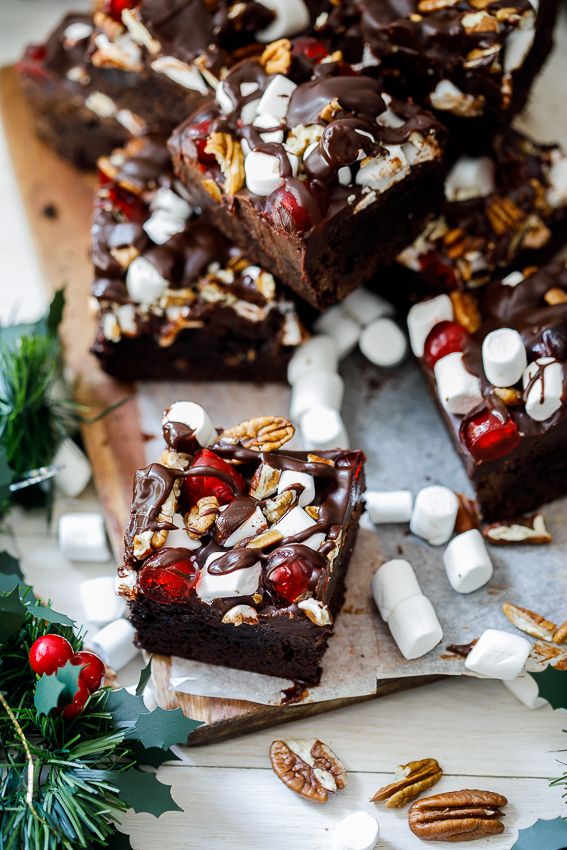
(470, 177)
(498, 655)
(168, 201)
(178, 538)
(317, 354)
(263, 174)
(526, 690)
(100, 602)
(291, 17)
(358, 831)
(195, 417)
(314, 389)
(504, 357)
(512, 279)
(225, 103)
(115, 644)
(322, 428)
(295, 521)
(269, 122)
(364, 306)
(459, 391)
(75, 472)
(423, 317)
(75, 32)
(242, 582)
(467, 562)
(434, 514)
(249, 111)
(344, 175)
(144, 282)
(557, 176)
(383, 343)
(518, 45)
(249, 528)
(342, 329)
(392, 583)
(187, 76)
(275, 100)
(289, 477)
(414, 626)
(545, 396)
(82, 537)
(161, 226)
(382, 172)
(388, 506)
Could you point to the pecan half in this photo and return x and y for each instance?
(529, 622)
(414, 777)
(527, 530)
(265, 540)
(318, 459)
(202, 516)
(228, 153)
(308, 767)
(465, 308)
(262, 434)
(276, 58)
(560, 634)
(274, 509)
(543, 654)
(555, 295)
(457, 816)
(265, 482)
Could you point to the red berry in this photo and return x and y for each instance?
(74, 708)
(114, 8)
(436, 272)
(49, 653)
(291, 579)
(131, 206)
(32, 61)
(488, 436)
(444, 338)
(93, 670)
(311, 48)
(196, 487)
(199, 133)
(173, 582)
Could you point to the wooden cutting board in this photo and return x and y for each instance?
(58, 202)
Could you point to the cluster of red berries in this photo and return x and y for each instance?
(50, 652)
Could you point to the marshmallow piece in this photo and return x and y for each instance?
(178, 538)
(342, 328)
(414, 626)
(557, 176)
(544, 377)
(291, 17)
(518, 45)
(263, 172)
(316, 388)
(195, 417)
(423, 317)
(225, 103)
(526, 690)
(434, 514)
(459, 390)
(296, 521)
(392, 583)
(289, 477)
(470, 177)
(242, 582)
(275, 100)
(498, 655)
(322, 428)
(100, 602)
(383, 343)
(344, 175)
(512, 279)
(161, 226)
(249, 111)
(504, 357)
(115, 644)
(389, 506)
(82, 537)
(364, 306)
(76, 470)
(382, 172)
(187, 76)
(144, 282)
(317, 354)
(269, 122)
(467, 562)
(358, 831)
(249, 528)
(168, 201)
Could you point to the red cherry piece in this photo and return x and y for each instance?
(311, 48)
(436, 272)
(77, 704)
(444, 338)
(31, 64)
(49, 653)
(93, 671)
(487, 437)
(196, 487)
(291, 579)
(295, 211)
(199, 133)
(114, 8)
(130, 205)
(171, 583)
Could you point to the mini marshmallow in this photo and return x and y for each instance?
(295, 521)
(144, 282)
(470, 177)
(518, 45)
(358, 831)
(275, 100)
(467, 562)
(249, 111)
(389, 506)
(392, 583)
(498, 655)
(289, 477)
(414, 626)
(343, 330)
(115, 644)
(344, 175)
(381, 172)
(504, 357)
(459, 390)
(512, 279)
(544, 377)
(225, 103)
(249, 528)
(82, 537)
(75, 472)
(434, 514)
(526, 690)
(314, 389)
(269, 122)
(195, 417)
(364, 306)
(161, 226)
(178, 538)
(242, 582)
(263, 172)
(168, 201)
(317, 354)
(322, 428)
(100, 602)
(290, 18)
(423, 317)
(383, 343)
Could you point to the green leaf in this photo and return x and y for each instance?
(68, 676)
(145, 793)
(12, 614)
(161, 728)
(552, 685)
(144, 677)
(6, 478)
(47, 692)
(543, 835)
(8, 583)
(9, 565)
(43, 612)
(125, 708)
(151, 756)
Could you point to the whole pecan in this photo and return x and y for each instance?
(457, 815)
(309, 768)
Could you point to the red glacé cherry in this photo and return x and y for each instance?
(171, 583)
(311, 48)
(488, 437)
(444, 338)
(49, 653)
(199, 133)
(439, 274)
(114, 8)
(294, 213)
(92, 674)
(196, 487)
(131, 206)
(74, 708)
(32, 61)
(291, 579)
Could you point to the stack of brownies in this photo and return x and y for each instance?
(259, 162)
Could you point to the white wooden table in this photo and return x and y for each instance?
(481, 735)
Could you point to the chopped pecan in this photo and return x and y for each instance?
(545, 653)
(480, 21)
(465, 308)
(241, 614)
(426, 6)
(314, 511)
(560, 633)
(528, 530)
(276, 58)
(202, 516)
(414, 777)
(467, 515)
(509, 395)
(308, 767)
(480, 55)
(457, 816)
(262, 434)
(274, 509)
(265, 481)
(504, 215)
(316, 611)
(330, 110)
(318, 459)
(212, 189)
(265, 540)
(555, 295)
(125, 255)
(529, 622)
(228, 153)
(166, 515)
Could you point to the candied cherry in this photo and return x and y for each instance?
(488, 436)
(171, 582)
(93, 671)
(199, 133)
(444, 338)
(196, 487)
(131, 206)
(311, 48)
(49, 653)
(437, 272)
(291, 579)
(32, 61)
(297, 210)
(114, 8)
(77, 704)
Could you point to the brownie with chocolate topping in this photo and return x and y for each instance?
(237, 549)
(312, 167)
(173, 298)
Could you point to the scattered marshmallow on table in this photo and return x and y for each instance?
(316, 389)
(194, 417)
(498, 655)
(364, 306)
(357, 831)
(100, 601)
(423, 317)
(526, 690)
(342, 328)
(322, 428)
(383, 343)
(317, 354)
(543, 381)
(289, 477)
(434, 514)
(414, 626)
(82, 537)
(504, 357)
(115, 644)
(459, 390)
(75, 472)
(392, 583)
(389, 506)
(467, 562)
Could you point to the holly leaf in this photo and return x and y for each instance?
(552, 686)
(8, 583)
(9, 565)
(145, 793)
(44, 612)
(125, 708)
(118, 841)
(68, 675)
(144, 677)
(47, 692)
(161, 728)
(151, 756)
(12, 614)
(543, 835)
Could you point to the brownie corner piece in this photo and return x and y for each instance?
(237, 549)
